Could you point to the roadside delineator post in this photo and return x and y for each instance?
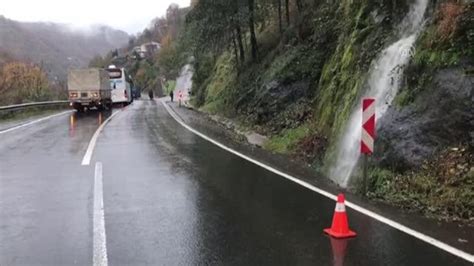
(368, 134)
(180, 97)
(340, 224)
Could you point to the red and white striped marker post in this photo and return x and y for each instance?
(368, 126)
(368, 133)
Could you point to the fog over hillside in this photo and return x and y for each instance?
(57, 47)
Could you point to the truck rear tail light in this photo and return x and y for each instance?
(73, 95)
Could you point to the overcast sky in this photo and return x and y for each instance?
(131, 16)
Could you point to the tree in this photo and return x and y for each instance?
(280, 26)
(240, 42)
(253, 38)
(168, 60)
(97, 61)
(299, 6)
(131, 41)
(234, 45)
(236, 21)
(20, 82)
(173, 19)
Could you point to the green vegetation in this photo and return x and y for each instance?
(160, 69)
(288, 139)
(442, 45)
(20, 82)
(169, 86)
(218, 84)
(444, 42)
(153, 69)
(307, 72)
(443, 189)
(297, 79)
(343, 75)
(292, 70)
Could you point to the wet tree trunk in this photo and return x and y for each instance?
(234, 43)
(287, 9)
(238, 31)
(253, 38)
(240, 43)
(299, 5)
(280, 23)
(300, 20)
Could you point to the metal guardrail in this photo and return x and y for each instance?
(27, 105)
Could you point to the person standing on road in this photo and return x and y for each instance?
(171, 95)
(150, 94)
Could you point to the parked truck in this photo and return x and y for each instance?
(88, 88)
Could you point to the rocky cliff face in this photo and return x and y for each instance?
(303, 90)
(439, 117)
(433, 111)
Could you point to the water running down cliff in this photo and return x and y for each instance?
(383, 84)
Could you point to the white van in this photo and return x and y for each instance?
(120, 83)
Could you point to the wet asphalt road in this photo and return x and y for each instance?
(170, 198)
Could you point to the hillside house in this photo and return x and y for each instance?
(147, 49)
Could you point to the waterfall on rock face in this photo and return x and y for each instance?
(184, 81)
(383, 83)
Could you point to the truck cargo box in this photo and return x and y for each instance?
(88, 79)
(89, 88)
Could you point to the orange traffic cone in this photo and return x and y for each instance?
(340, 225)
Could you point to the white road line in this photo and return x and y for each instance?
(430, 240)
(34, 122)
(86, 160)
(99, 240)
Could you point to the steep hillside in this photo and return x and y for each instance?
(5, 58)
(297, 74)
(56, 47)
(151, 70)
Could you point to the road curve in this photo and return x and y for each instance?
(169, 197)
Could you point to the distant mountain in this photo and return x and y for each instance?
(57, 47)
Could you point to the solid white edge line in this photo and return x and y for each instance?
(457, 252)
(34, 122)
(86, 160)
(99, 238)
